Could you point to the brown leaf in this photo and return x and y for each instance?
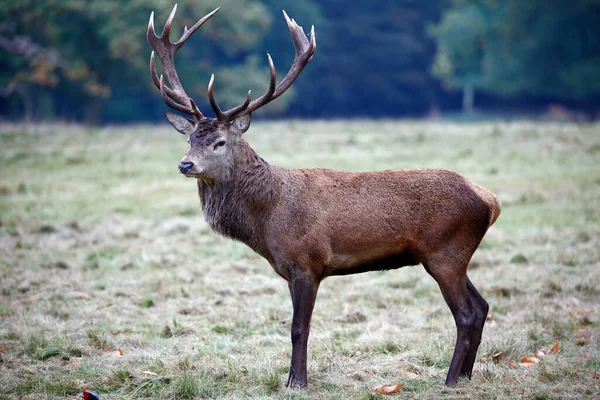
(496, 358)
(529, 361)
(511, 362)
(581, 336)
(388, 389)
(554, 348)
(369, 372)
(119, 353)
(408, 373)
(584, 313)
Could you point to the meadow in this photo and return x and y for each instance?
(111, 279)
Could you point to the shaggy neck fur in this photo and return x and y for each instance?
(238, 207)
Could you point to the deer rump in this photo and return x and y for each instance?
(338, 223)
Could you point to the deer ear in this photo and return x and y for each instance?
(241, 123)
(181, 124)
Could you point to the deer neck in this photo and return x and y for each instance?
(240, 205)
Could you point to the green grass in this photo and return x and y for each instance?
(103, 247)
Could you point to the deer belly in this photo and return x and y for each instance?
(368, 254)
(346, 264)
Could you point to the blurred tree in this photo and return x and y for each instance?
(375, 57)
(514, 48)
(461, 37)
(105, 74)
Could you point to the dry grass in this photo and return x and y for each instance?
(102, 247)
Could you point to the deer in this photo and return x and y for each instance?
(310, 224)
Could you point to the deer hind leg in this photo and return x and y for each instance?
(481, 311)
(451, 276)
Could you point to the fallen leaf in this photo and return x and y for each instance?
(149, 373)
(511, 362)
(388, 389)
(369, 372)
(571, 315)
(1, 348)
(496, 358)
(585, 313)
(119, 353)
(529, 361)
(581, 336)
(554, 348)
(408, 373)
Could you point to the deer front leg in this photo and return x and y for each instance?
(304, 293)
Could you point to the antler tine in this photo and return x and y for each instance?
(225, 116)
(170, 102)
(268, 96)
(155, 78)
(166, 33)
(162, 47)
(175, 97)
(238, 109)
(304, 50)
(196, 110)
(211, 98)
(188, 32)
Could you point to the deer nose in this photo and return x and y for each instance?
(185, 167)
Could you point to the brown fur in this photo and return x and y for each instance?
(347, 220)
(313, 223)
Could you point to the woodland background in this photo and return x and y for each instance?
(87, 61)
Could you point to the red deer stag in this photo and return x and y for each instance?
(313, 223)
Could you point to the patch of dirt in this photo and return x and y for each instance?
(354, 318)
(507, 292)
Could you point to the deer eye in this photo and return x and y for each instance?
(221, 143)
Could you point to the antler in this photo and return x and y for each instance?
(174, 97)
(304, 52)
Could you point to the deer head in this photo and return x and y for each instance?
(213, 141)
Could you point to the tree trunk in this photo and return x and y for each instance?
(93, 110)
(468, 98)
(27, 105)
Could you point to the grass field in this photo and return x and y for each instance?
(111, 278)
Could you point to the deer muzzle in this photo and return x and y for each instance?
(185, 167)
